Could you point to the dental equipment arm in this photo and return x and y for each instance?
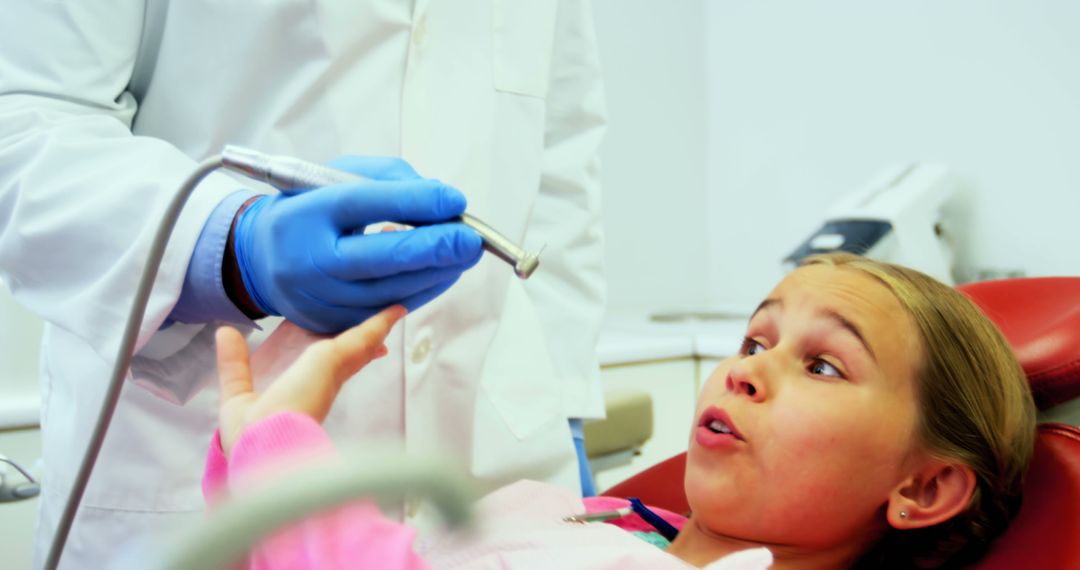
(17, 491)
(292, 176)
(240, 523)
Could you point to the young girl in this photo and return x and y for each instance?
(873, 417)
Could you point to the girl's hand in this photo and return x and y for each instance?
(308, 386)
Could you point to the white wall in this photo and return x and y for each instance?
(653, 58)
(807, 100)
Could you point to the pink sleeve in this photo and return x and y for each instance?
(356, 535)
(216, 474)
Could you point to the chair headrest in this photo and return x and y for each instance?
(1044, 533)
(1040, 317)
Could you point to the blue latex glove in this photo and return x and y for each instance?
(305, 256)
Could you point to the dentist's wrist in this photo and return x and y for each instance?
(231, 277)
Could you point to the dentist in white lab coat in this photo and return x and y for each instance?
(105, 107)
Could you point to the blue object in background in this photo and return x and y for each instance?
(588, 487)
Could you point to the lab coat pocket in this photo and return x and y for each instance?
(518, 376)
(174, 365)
(524, 32)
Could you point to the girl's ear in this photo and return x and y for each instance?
(934, 494)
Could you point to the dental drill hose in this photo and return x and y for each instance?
(292, 176)
(295, 176)
(238, 524)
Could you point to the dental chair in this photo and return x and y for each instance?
(1041, 319)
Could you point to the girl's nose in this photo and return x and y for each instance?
(747, 381)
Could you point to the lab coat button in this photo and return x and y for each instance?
(421, 350)
(419, 32)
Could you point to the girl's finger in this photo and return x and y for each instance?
(234, 369)
(364, 342)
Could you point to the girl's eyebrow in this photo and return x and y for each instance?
(771, 303)
(850, 327)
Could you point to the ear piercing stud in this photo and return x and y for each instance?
(903, 514)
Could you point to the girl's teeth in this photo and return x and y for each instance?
(719, 427)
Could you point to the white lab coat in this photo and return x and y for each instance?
(500, 98)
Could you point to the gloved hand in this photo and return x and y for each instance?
(305, 256)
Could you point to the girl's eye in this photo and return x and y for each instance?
(751, 347)
(822, 368)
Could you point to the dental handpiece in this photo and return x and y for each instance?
(292, 176)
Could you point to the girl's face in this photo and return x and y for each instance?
(800, 439)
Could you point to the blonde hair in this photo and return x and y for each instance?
(975, 408)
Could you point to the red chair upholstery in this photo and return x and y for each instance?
(1046, 531)
(1041, 319)
(659, 486)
